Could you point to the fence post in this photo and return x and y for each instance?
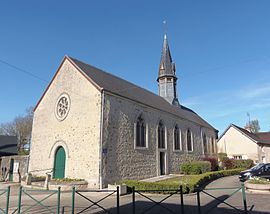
(198, 200)
(182, 200)
(133, 200)
(73, 200)
(19, 200)
(58, 200)
(244, 197)
(117, 199)
(7, 201)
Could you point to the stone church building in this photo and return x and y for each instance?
(92, 125)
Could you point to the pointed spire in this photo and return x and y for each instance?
(166, 66)
(167, 79)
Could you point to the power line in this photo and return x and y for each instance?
(23, 71)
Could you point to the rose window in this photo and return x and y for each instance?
(62, 107)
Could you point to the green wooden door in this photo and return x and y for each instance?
(11, 165)
(59, 163)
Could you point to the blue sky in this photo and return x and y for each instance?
(221, 50)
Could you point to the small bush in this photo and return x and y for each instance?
(38, 178)
(213, 161)
(228, 163)
(196, 167)
(246, 164)
(221, 156)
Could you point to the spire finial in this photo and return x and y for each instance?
(165, 28)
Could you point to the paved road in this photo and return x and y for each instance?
(257, 203)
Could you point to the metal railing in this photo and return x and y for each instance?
(95, 202)
(29, 193)
(222, 201)
(158, 203)
(5, 193)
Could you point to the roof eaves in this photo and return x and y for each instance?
(240, 129)
(84, 74)
(48, 86)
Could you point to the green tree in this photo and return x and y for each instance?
(253, 126)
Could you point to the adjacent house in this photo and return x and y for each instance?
(8, 148)
(8, 145)
(92, 125)
(239, 143)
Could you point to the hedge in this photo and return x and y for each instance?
(195, 167)
(234, 164)
(189, 182)
(247, 164)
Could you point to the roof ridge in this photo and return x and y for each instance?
(119, 86)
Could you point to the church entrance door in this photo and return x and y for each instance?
(59, 163)
(162, 163)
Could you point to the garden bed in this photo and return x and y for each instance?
(259, 185)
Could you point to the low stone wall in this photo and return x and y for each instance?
(262, 188)
(20, 167)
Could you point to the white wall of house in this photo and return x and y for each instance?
(238, 145)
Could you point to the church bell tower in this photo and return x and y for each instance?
(166, 75)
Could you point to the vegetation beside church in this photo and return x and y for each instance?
(21, 127)
(189, 182)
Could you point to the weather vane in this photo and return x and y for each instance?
(165, 27)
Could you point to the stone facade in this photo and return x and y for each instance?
(96, 129)
(78, 133)
(122, 160)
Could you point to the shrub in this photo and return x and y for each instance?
(246, 164)
(213, 161)
(189, 182)
(228, 163)
(234, 164)
(196, 167)
(221, 156)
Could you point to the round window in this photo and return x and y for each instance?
(62, 107)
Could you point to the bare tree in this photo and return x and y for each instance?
(21, 127)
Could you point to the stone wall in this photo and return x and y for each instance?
(78, 133)
(121, 160)
(20, 167)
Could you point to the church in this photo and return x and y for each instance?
(92, 125)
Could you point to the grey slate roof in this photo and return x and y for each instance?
(166, 66)
(8, 145)
(121, 87)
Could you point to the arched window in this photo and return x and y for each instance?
(204, 144)
(177, 138)
(140, 132)
(161, 135)
(213, 145)
(189, 141)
